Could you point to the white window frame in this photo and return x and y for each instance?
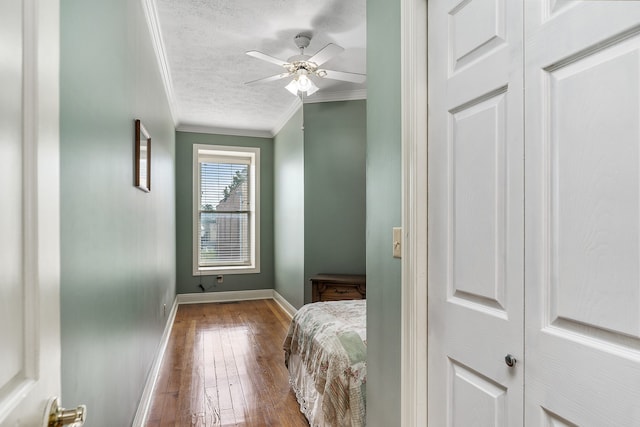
(253, 154)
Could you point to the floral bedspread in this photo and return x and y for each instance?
(330, 340)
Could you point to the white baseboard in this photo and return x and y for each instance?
(284, 304)
(147, 394)
(204, 297)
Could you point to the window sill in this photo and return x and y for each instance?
(215, 271)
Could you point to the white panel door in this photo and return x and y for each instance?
(475, 226)
(582, 278)
(29, 210)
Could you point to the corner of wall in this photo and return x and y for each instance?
(289, 211)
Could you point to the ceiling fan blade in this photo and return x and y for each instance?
(268, 79)
(267, 58)
(341, 75)
(325, 54)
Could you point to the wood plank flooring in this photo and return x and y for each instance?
(224, 366)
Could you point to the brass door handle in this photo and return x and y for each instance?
(59, 417)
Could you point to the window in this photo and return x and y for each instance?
(226, 234)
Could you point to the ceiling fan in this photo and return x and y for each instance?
(303, 67)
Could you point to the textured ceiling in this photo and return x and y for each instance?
(205, 43)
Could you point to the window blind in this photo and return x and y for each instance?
(225, 211)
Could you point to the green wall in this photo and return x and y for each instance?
(383, 212)
(186, 281)
(334, 185)
(289, 211)
(117, 242)
(320, 199)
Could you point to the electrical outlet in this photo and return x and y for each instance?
(220, 279)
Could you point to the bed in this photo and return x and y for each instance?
(326, 355)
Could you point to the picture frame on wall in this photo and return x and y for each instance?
(142, 157)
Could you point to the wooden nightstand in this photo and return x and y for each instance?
(335, 287)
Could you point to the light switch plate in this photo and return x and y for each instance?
(397, 242)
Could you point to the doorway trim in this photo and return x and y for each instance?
(413, 28)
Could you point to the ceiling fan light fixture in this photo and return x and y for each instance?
(313, 89)
(292, 87)
(302, 67)
(302, 83)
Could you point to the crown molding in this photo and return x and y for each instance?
(255, 133)
(284, 119)
(345, 95)
(320, 96)
(151, 15)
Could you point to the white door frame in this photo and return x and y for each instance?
(414, 212)
(23, 398)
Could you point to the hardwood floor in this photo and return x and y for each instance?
(224, 366)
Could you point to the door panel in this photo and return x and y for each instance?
(475, 399)
(476, 28)
(475, 212)
(594, 189)
(582, 213)
(11, 262)
(29, 214)
(477, 184)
